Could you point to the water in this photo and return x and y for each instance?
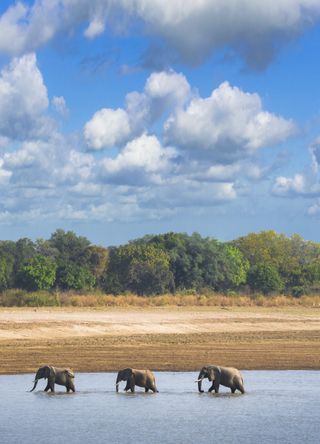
(278, 407)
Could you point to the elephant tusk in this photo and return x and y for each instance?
(198, 380)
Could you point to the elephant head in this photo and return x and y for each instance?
(212, 373)
(123, 375)
(43, 372)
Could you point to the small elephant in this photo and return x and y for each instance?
(141, 378)
(60, 376)
(227, 376)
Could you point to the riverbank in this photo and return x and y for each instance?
(169, 338)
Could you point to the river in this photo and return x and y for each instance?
(278, 407)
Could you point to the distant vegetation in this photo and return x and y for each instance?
(265, 263)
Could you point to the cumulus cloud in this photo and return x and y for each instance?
(192, 28)
(107, 127)
(227, 125)
(143, 158)
(287, 186)
(23, 98)
(111, 127)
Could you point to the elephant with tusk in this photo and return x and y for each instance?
(226, 376)
(141, 378)
(60, 376)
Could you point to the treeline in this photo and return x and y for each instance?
(265, 262)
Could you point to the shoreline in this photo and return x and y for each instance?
(162, 339)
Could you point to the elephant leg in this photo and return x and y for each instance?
(239, 385)
(70, 386)
(146, 390)
(127, 387)
(211, 388)
(132, 384)
(47, 387)
(233, 390)
(216, 387)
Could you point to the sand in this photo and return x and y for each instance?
(169, 338)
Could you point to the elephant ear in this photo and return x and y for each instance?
(204, 371)
(128, 372)
(46, 372)
(51, 371)
(214, 373)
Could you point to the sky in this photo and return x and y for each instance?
(120, 118)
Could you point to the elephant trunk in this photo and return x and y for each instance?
(199, 381)
(118, 382)
(35, 385)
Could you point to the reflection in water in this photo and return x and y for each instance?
(279, 406)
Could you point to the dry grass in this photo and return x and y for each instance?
(186, 300)
(21, 298)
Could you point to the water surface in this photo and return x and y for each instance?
(278, 407)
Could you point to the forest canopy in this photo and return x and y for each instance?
(265, 262)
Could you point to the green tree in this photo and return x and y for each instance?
(236, 268)
(38, 273)
(69, 246)
(198, 262)
(265, 278)
(73, 276)
(140, 268)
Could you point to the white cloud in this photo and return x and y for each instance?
(285, 186)
(109, 127)
(193, 28)
(23, 98)
(95, 28)
(60, 105)
(168, 85)
(227, 125)
(4, 174)
(305, 184)
(141, 157)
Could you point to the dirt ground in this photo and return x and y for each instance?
(159, 338)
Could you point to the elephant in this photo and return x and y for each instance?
(60, 376)
(141, 378)
(227, 376)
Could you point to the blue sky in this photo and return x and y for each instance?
(122, 118)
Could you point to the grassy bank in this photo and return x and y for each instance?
(22, 298)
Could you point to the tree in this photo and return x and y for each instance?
(141, 268)
(236, 269)
(295, 259)
(69, 246)
(265, 278)
(73, 276)
(198, 262)
(38, 273)
(7, 260)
